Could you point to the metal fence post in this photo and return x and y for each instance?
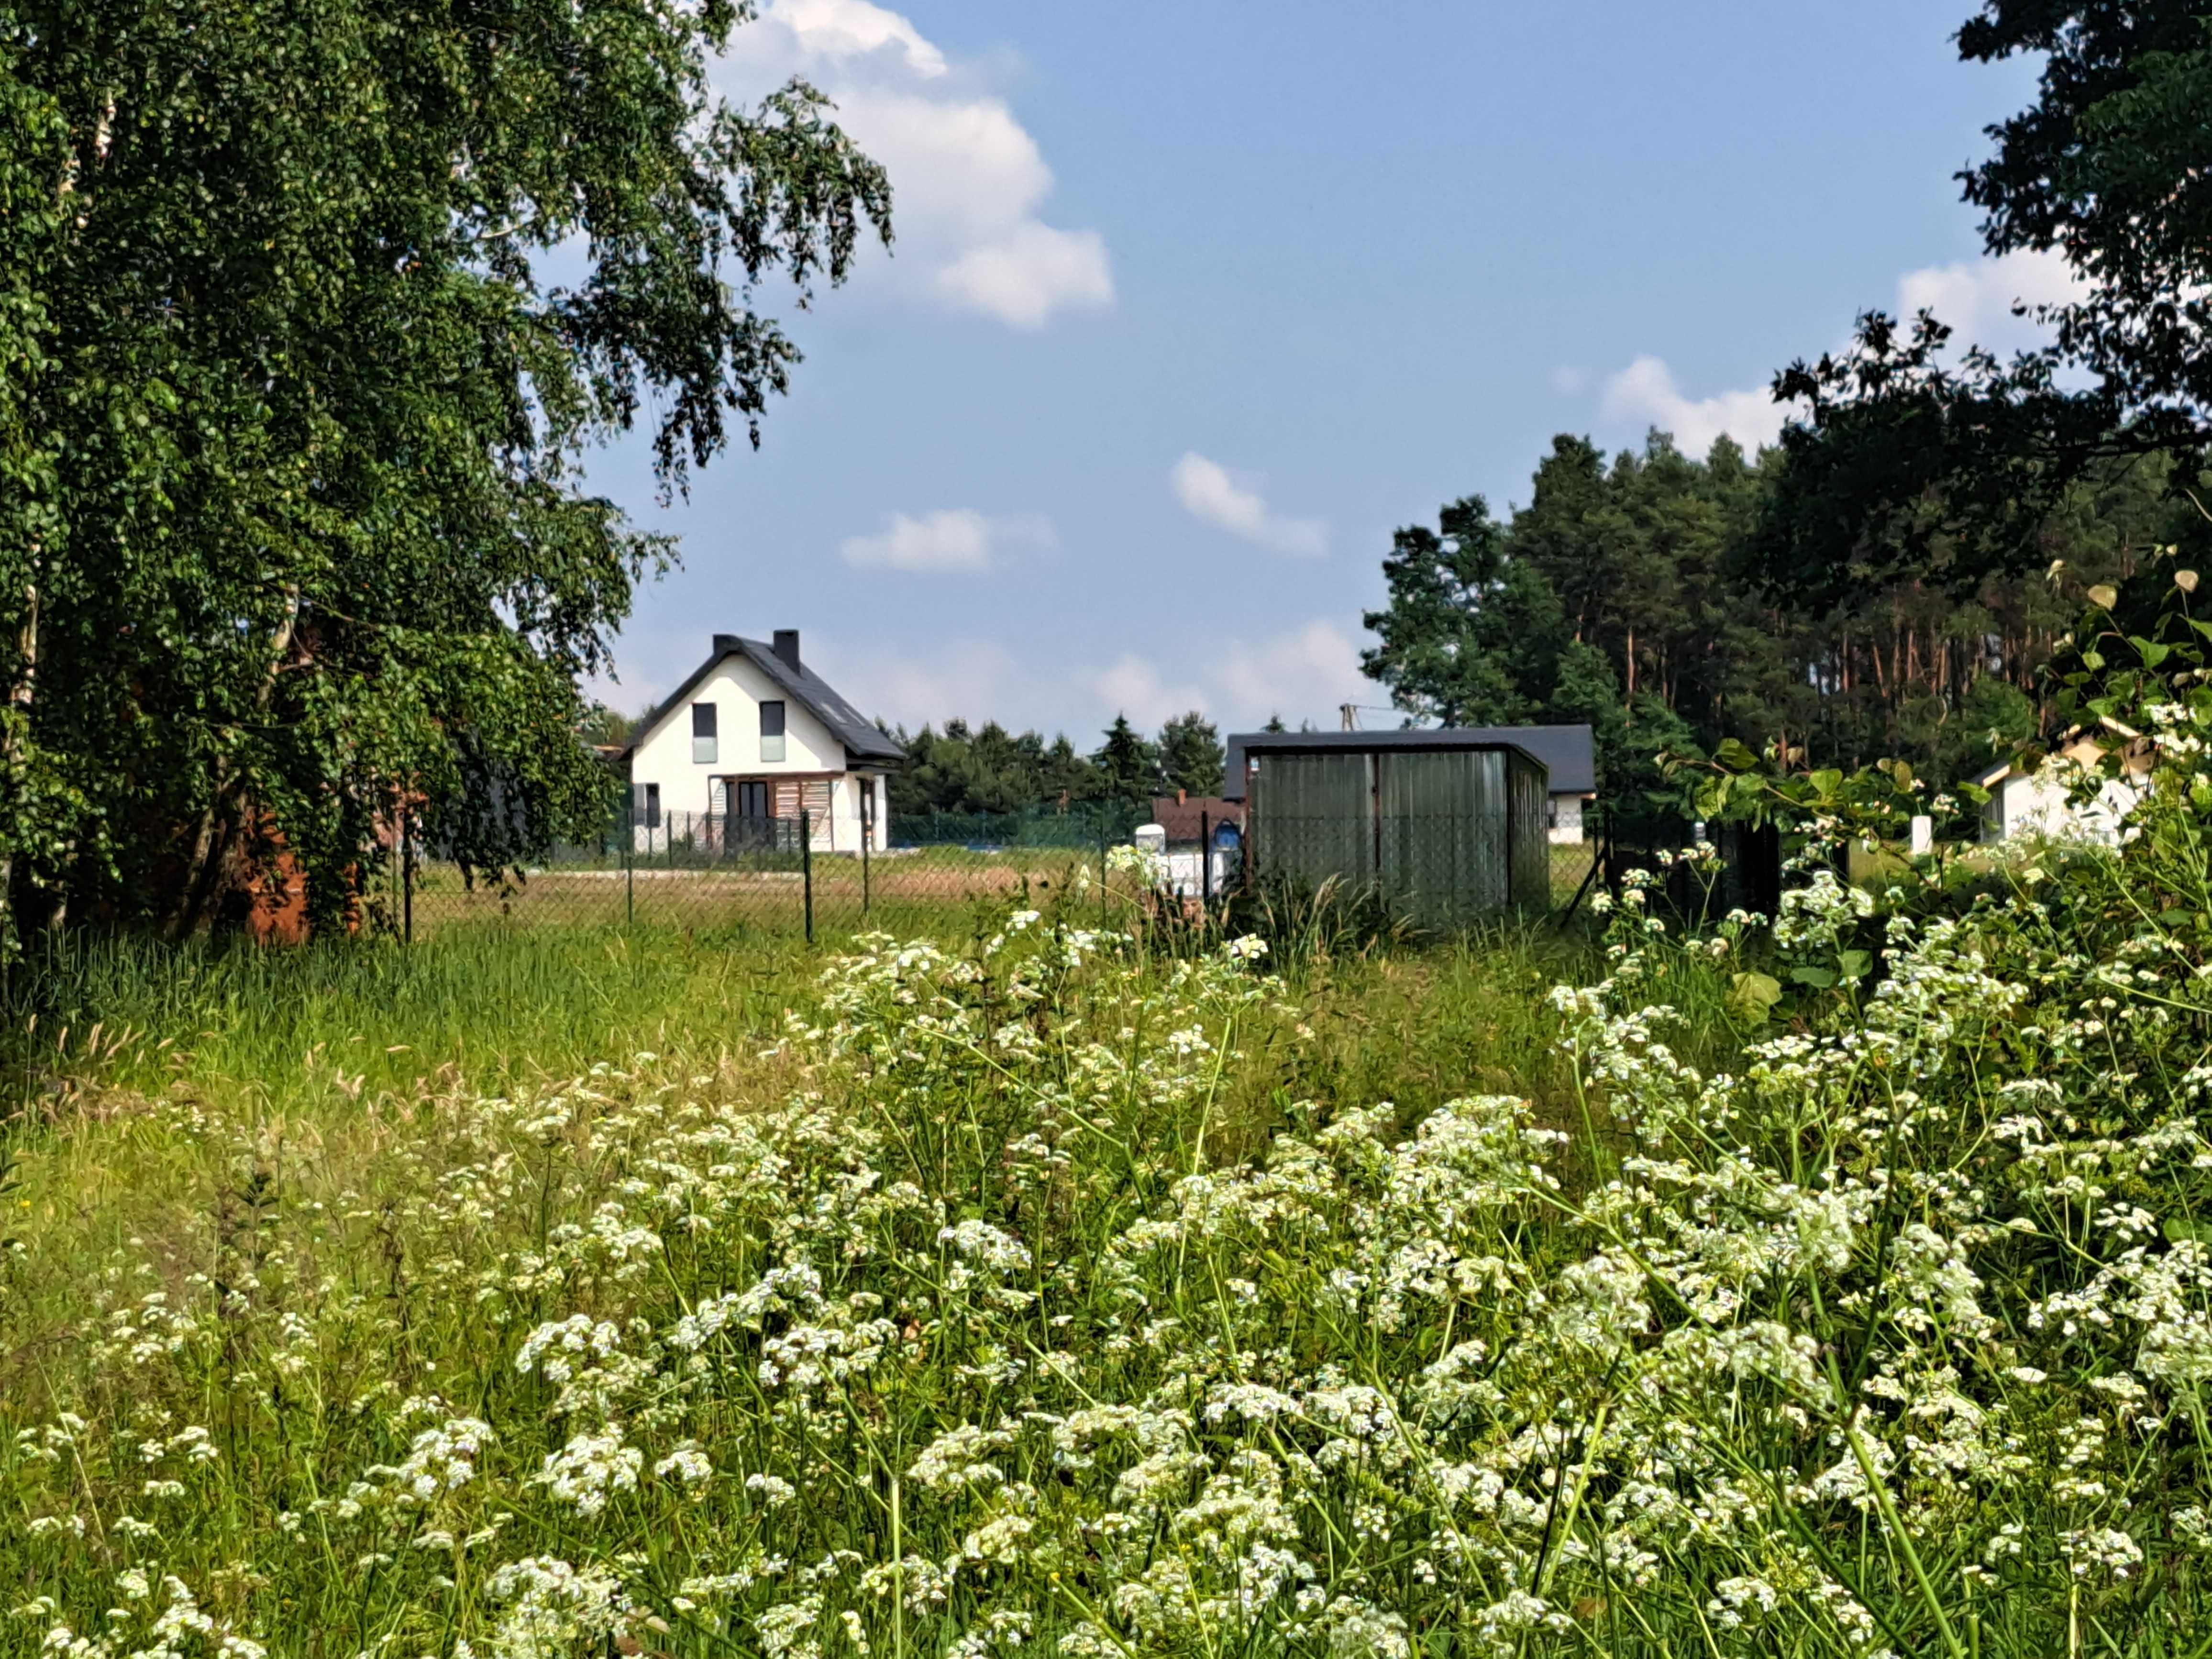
(1102, 871)
(1206, 861)
(807, 866)
(630, 866)
(867, 837)
(406, 881)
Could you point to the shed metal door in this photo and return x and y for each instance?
(1314, 815)
(1442, 828)
(1528, 847)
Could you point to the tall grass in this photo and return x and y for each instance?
(341, 1022)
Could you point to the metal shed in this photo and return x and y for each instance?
(1448, 825)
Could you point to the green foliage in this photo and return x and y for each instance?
(1625, 595)
(322, 306)
(987, 770)
(1126, 767)
(1472, 635)
(1922, 462)
(601, 724)
(1191, 756)
(1801, 1290)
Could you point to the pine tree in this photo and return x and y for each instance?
(1127, 767)
(1191, 754)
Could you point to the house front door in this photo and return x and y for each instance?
(751, 828)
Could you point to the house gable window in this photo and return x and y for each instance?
(771, 730)
(703, 747)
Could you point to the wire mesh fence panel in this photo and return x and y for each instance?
(1080, 827)
(1572, 863)
(796, 875)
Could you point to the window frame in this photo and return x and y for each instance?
(706, 744)
(772, 746)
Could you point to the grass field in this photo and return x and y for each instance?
(1033, 1288)
(919, 891)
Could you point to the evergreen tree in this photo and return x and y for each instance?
(988, 771)
(1471, 633)
(1616, 598)
(1191, 754)
(1126, 768)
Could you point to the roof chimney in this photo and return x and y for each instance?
(725, 643)
(786, 647)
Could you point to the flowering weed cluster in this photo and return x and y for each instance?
(1007, 1328)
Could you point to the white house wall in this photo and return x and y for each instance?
(1566, 825)
(2039, 805)
(736, 689)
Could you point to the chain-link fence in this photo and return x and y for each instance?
(920, 873)
(794, 874)
(1574, 870)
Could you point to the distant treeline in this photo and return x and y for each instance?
(1622, 595)
(987, 770)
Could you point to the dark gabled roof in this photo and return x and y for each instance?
(1565, 751)
(1181, 818)
(862, 737)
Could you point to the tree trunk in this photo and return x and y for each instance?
(14, 737)
(220, 820)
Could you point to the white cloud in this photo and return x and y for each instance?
(1211, 495)
(1645, 391)
(1976, 297)
(952, 541)
(1134, 686)
(1301, 674)
(967, 181)
(1023, 277)
(837, 29)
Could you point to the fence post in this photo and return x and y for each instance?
(867, 837)
(1102, 870)
(406, 880)
(807, 866)
(1206, 862)
(629, 865)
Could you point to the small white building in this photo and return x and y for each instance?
(2041, 802)
(750, 742)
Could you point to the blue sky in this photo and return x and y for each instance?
(1192, 303)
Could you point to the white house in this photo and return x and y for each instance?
(752, 740)
(2040, 803)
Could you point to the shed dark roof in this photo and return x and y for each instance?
(862, 737)
(1565, 752)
